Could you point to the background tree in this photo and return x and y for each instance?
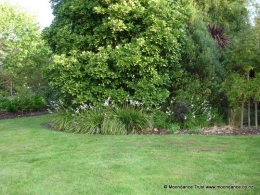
(243, 58)
(210, 33)
(254, 82)
(236, 88)
(211, 28)
(232, 15)
(204, 71)
(22, 52)
(255, 94)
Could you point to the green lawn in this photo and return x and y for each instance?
(34, 160)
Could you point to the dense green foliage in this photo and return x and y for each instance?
(160, 53)
(116, 49)
(231, 14)
(204, 69)
(24, 101)
(23, 52)
(243, 65)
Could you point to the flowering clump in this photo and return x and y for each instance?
(87, 107)
(203, 109)
(57, 105)
(107, 101)
(107, 119)
(134, 102)
(169, 112)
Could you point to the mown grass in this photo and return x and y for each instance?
(34, 160)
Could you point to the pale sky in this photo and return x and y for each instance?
(40, 8)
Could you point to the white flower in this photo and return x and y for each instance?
(107, 101)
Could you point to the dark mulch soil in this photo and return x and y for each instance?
(227, 130)
(10, 115)
(223, 130)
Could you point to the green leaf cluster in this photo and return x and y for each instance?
(116, 49)
(22, 50)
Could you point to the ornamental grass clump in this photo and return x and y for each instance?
(85, 122)
(113, 126)
(161, 119)
(135, 119)
(63, 120)
(89, 122)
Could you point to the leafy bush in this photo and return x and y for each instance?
(134, 52)
(13, 105)
(208, 118)
(173, 127)
(180, 111)
(24, 102)
(160, 119)
(189, 124)
(3, 103)
(38, 102)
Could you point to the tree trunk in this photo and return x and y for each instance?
(256, 118)
(248, 111)
(11, 89)
(242, 115)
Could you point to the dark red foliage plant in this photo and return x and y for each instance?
(218, 33)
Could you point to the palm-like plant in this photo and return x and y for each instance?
(218, 33)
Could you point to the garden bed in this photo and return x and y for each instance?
(10, 115)
(223, 130)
